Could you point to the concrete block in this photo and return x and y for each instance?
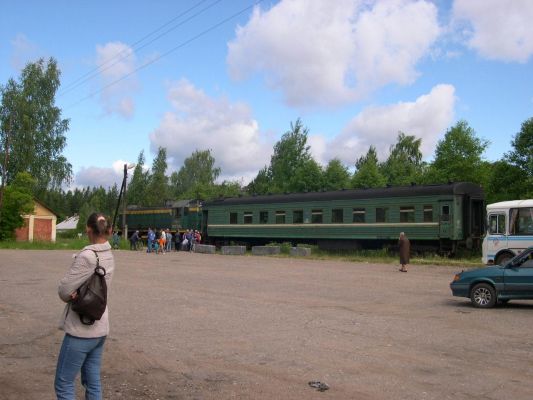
(300, 251)
(265, 250)
(233, 250)
(204, 248)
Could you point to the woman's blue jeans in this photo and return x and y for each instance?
(79, 354)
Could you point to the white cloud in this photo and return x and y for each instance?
(498, 30)
(200, 122)
(24, 51)
(99, 176)
(331, 52)
(116, 60)
(426, 118)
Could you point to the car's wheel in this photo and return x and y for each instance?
(483, 295)
(503, 258)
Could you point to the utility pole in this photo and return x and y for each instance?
(4, 167)
(124, 226)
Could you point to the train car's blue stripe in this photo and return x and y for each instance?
(513, 238)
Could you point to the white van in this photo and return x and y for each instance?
(509, 230)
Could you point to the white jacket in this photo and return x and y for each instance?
(81, 269)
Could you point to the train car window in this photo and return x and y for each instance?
(428, 213)
(248, 217)
(382, 214)
(263, 217)
(497, 224)
(337, 216)
(407, 214)
(298, 217)
(280, 217)
(521, 221)
(358, 215)
(445, 216)
(233, 218)
(316, 216)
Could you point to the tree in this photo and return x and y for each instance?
(367, 172)
(32, 131)
(262, 183)
(18, 200)
(196, 178)
(336, 176)
(404, 164)
(157, 190)
(291, 153)
(138, 186)
(506, 182)
(308, 177)
(458, 157)
(522, 157)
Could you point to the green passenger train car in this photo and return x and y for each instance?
(177, 216)
(440, 217)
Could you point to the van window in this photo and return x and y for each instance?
(521, 221)
(497, 224)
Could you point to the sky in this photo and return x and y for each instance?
(232, 75)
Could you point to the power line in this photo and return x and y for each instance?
(183, 44)
(125, 53)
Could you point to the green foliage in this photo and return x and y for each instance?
(157, 190)
(18, 201)
(368, 174)
(404, 164)
(336, 176)
(506, 182)
(261, 184)
(522, 157)
(290, 159)
(32, 130)
(138, 186)
(458, 157)
(196, 178)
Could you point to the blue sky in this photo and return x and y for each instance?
(355, 71)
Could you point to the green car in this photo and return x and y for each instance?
(498, 284)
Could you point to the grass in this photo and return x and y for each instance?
(366, 256)
(60, 244)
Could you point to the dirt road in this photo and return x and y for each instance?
(193, 326)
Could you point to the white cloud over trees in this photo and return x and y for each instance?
(325, 53)
(427, 118)
(201, 122)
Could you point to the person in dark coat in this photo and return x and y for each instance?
(405, 249)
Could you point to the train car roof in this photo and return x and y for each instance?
(457, 188)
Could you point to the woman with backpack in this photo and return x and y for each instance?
(83, 343)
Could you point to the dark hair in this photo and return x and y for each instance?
(99, 224)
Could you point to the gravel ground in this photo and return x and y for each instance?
(193, 326)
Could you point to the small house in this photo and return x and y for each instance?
(39, 226)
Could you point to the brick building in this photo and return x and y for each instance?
(40, 226)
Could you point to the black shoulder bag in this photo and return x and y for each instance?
(91, 301)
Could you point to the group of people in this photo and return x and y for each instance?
(162, 240)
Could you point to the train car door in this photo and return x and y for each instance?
(445, 219)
